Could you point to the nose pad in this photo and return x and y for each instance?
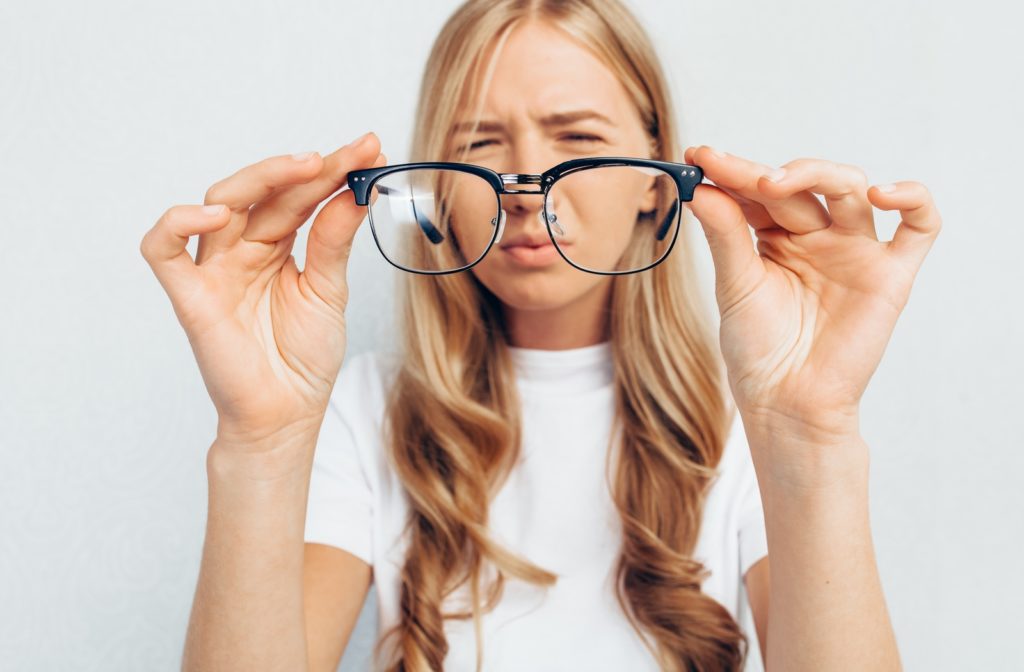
(549, 207)
(501, 225)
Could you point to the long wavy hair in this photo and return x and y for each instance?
(453, 424)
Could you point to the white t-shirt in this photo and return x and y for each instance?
(555, 509)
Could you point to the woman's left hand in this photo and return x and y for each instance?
(807, 312)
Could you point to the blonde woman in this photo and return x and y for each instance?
(550, 474)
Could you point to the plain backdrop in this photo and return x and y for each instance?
(111, 112)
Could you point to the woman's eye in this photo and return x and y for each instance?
(574, 137)
(479, 143)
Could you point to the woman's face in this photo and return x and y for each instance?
(540, 74)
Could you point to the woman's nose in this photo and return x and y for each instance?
(523, 208)
(524, 204)
(525, 211)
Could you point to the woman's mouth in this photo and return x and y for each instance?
(533, 255)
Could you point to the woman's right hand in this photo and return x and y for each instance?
(268, 338)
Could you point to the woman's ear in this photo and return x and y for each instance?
(650, 198)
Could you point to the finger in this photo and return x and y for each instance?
(250, 185)
(844, 187)
(164, 245)
(920, 223)
(779, 246)
(801, 212)
(737, 265)
(330, 244)
(755, 213)
(288, 209)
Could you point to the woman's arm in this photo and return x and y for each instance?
(757, 581)
(806, 313)
(827, 610)
(248, 607)
(269, 340)
(335, 585)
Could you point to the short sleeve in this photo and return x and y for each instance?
(753, 538)
(339, 511)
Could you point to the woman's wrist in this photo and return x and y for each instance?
(264, 454)
(797, 456)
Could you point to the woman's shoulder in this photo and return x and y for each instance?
(736, 449)
(735, 470)
(373, 366)
(352, 432)
(363, 382)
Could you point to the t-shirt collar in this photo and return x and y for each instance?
(573, 370)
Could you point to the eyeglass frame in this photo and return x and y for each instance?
(686, 177)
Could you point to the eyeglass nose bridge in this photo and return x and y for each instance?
(523, 178)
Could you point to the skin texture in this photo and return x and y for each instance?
(269, 342)
(555, 307)
(806, 313)
(596, 209)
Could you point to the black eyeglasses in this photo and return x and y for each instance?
(604, 215)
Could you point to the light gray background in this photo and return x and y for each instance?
(110, 112)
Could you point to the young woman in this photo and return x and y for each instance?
(551, 474)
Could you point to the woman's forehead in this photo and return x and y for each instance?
(540, 76)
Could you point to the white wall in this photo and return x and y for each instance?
(110, 112)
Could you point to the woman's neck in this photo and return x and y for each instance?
(583, 322)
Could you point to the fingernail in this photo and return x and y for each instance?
(887, 188)
(213, 210)
(717, 152)
(776, 175)
(358, 142)
(304, 156)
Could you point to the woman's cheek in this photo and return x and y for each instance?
(471, 223)
(602, 224)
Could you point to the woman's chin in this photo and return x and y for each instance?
(533, 291)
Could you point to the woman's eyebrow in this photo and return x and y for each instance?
(551, 120)
(565, 118)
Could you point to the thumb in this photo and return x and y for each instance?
(330, 243)
(737, 263)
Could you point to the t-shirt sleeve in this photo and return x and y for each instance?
(753, 539)
(339, 511)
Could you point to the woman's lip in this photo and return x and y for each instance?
(533, 256)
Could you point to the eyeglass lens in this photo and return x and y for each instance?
(603, 219)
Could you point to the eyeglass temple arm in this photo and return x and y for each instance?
(433, 235)
(667, 223)
(687, 195)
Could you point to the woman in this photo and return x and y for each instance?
(461, 477)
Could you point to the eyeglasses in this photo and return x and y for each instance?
(604, 215)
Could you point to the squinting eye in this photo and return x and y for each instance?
(575, 137)
(478, 144)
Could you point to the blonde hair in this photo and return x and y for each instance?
(454, 417)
